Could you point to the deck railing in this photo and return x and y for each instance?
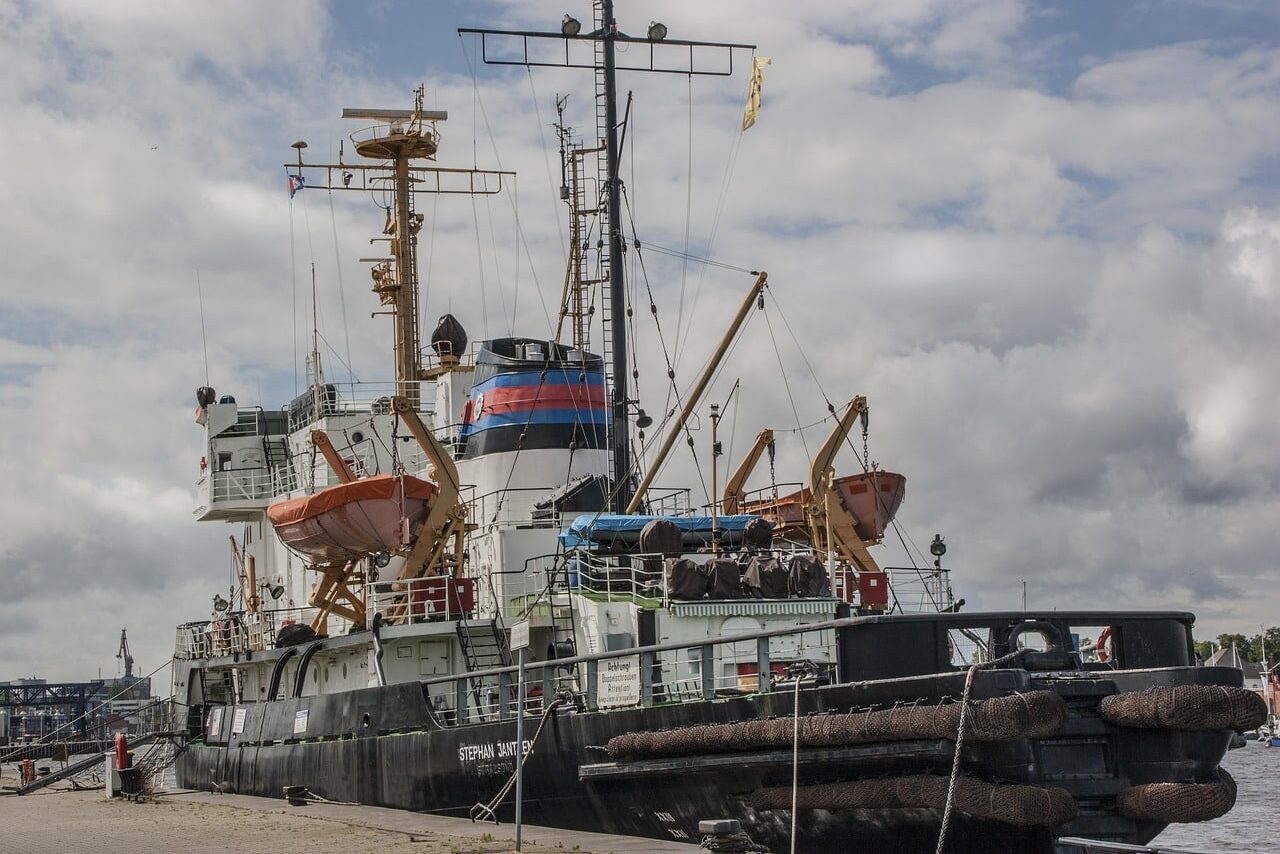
(676, 672)
(238, 632)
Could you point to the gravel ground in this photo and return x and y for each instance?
(61, 821)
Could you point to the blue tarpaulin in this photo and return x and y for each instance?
(592, 529)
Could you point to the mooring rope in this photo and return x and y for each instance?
(795, 763)
(955, 758)
(487, 811)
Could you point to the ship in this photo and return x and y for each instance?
(462, 592)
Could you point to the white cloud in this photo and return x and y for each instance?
(1060, 300)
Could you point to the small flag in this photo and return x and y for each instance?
(296, 183)
(753, 90)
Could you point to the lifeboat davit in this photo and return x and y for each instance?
(353, 520)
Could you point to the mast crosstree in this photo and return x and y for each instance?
(672, 56)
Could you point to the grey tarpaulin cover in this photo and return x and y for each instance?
(685, 579)
(661, 537)
(765, 578)
(808, 577)
(725, 577)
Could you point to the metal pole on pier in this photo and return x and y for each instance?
(520, 744)
(520, 640)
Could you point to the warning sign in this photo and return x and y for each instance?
(618, 682)
(300, 721)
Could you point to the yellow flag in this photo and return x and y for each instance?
(753, 90)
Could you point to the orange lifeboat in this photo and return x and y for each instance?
(873, 498)
(353, 520)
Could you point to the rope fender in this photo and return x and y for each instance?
(1185, 707)
(1180, 802)
(1014, 804)
(1037, 714)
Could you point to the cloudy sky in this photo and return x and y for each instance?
(1042, 238)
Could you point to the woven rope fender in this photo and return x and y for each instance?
(1037, 714)
(1180, 802)
(1019, 805)
(1185, 707)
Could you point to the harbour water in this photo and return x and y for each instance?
(1254, 824)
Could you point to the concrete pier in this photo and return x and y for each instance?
(62, 821)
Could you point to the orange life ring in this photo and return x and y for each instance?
(1101, 644)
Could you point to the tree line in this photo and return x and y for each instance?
(1249, 648)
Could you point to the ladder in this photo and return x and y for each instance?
(604, 274)
(484, 647)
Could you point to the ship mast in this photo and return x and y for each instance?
(575, 298)
(399, 138)
(680, 59)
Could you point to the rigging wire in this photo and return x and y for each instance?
(342, 294)
(546, 160)
(722, 197)
(478, 101)
(293, 280)
(204, 335)
(666, 353)
(484, 301)
(711, 262)
(688, 212)
(786, 384)
(497, 265)
(431, 257)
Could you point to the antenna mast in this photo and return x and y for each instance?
(681, 59)
(398, 137)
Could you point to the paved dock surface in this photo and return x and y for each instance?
(59, 821)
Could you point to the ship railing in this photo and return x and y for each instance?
(617, 578)
(532, 591)
(238, 632)
(245, 484)
(919, 591)
(661, 674)
(358, 398)
(669, 501)
(637, 578)
(418, 600)
(511, 508)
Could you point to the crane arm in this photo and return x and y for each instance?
(446, 520)
(831, 523)
(696, 394)
(321, 440)
(124, 654)
(826, 455)
(734, 492)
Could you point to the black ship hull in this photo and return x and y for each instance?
(389, 747)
